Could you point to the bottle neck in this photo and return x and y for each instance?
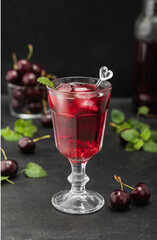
(149, 7)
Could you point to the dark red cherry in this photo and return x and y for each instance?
(16, 105)
(141, 193)
(120, 200)
(34, 94)
(35, 107)
(9, 168)
(12, 76)
(23, 66)
(37, 69)
(29, 79)
(18, 94)
(46, 120)
(26, 145)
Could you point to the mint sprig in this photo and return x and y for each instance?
(136, 134)
(34, 170)
(21, 128)
(46, 81)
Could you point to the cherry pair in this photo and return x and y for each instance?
(121, 200)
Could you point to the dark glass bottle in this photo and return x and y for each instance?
(145, 57)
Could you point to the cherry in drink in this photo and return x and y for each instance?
(79, 119)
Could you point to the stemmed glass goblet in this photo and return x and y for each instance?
(79, 112)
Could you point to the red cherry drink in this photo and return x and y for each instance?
(79, 116)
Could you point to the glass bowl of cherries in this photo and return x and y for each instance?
(26, 95)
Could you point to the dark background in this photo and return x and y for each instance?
(73, 37)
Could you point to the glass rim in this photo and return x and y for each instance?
(109, 88)
(11, 85)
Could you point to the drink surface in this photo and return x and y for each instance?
(79, 116)
(145, 70)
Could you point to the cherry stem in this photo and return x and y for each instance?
(118, 180)
(40, 138)
(115, 125)
(14, 61)
(5, 157)
(51, 76)
(9, 181)
(43, 73)
(44, 106)
(30, 47)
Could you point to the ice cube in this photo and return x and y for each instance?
(83, 88)
(86, 106)
(64, 87)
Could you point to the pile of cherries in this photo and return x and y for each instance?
(26, 92)
(121, 200)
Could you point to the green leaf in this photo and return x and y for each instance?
(145, 134)
(153, 135)
(29, 131)
(130, 135)
(46, 81)
(123, 126)
(142, 126)
(6, 179)
(139, 144)
(134, 122)
(25, 127)
(10, 135)
(150, 146)
(143, 110)
(34, 170)
(117, 116)
(129, 147)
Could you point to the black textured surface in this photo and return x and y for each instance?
(74, 37)
(27, 213)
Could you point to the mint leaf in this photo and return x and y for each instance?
(46, 81)
(29, 131)
(6, 179)
(34, 170)
(143, 110)
(10, 135)
(145, 134)
(129, 147)
(142, 126)
(139, 144)
(150, 146)
(117, 116)
(153, 135)
(134, 122)
(130, 135)
(123, 126)
(25, 127)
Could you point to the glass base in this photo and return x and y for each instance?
(77, 203)
(26, 115)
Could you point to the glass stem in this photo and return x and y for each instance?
(78, 177)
